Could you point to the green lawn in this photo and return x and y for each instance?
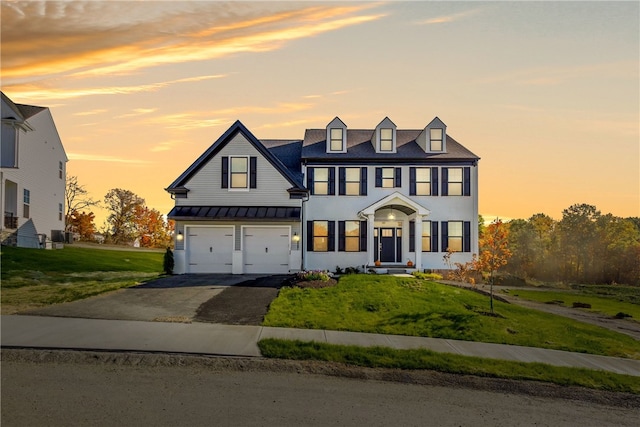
(601, 304)
(382, 357)
(35, 277)
(408, 306)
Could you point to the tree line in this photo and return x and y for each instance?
(585, 246)
(130, 220)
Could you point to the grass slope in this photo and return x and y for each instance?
(602, 304)
(408, 306)
(382, 357)
(34, 277)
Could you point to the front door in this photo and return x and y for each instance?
(388, 244)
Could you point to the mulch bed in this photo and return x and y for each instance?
(316, 284)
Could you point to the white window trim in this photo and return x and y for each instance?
(240, 189)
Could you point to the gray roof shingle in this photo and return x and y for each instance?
(360, 147)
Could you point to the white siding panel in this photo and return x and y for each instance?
(39, 154)
(205, 188)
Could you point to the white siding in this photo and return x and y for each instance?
(205, 188)
(442, 208)
(39, 154)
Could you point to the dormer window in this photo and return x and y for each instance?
(386, 139)
(435, 139)
(337, 140)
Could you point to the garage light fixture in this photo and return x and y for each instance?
(180, 236)
(296, 239)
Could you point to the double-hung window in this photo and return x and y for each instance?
(422, 180)
(388, 177)
(435, 139)
(60, 211)
(426, 236)
(320, 181)
(456, 236)
(352, 236)
(336, 143)
(321, 236)
(239, 172)
(454, 182)
(60, 170)
(26, 202)
(386, 139)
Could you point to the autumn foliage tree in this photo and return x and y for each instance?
(494, 251)
(82, 224)
(151, 229)
(122, 205)
(77, 199)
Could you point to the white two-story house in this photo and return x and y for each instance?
(338, 198)
(32, 176)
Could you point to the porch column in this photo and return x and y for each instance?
(370, 245)
(418, 242)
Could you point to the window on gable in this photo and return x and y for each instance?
(60, 211)
(26, 199)
(336, 143)
(239, 172)
(423, 181)
(60, 170)
(386, 139)
(435, 138)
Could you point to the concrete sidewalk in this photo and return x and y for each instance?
(231, 340)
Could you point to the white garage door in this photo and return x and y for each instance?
(266, 250)
(210, 249)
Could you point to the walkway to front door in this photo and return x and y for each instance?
(388, 242)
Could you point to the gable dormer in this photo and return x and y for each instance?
(336, 136)
(384, 137)
(433, 139)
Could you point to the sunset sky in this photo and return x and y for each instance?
(546, 93)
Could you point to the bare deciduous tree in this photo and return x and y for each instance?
(76, 198)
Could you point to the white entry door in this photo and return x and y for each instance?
(209, 249)
(266, 250)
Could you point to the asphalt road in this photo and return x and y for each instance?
(132, 393)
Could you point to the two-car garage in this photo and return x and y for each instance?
(264, 249)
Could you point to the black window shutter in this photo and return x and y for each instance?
(332, 181)
(412, 236)
(434, 181)
(444, 226)
(378, 177)
(445, 181)
(467, 181)
(225, 173)
(398, 177)
(342, 181)
(412, 181)
(363, 181)
(466, 236)
(310, 180)
(363, 236)
(434, 236)
(341, 237)
(253, 172)
(332, 236)
(310, 236)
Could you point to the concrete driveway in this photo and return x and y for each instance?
(169, 299)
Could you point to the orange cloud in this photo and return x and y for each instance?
(97, 38)
(450, 18)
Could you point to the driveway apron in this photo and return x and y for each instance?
(170, 299)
